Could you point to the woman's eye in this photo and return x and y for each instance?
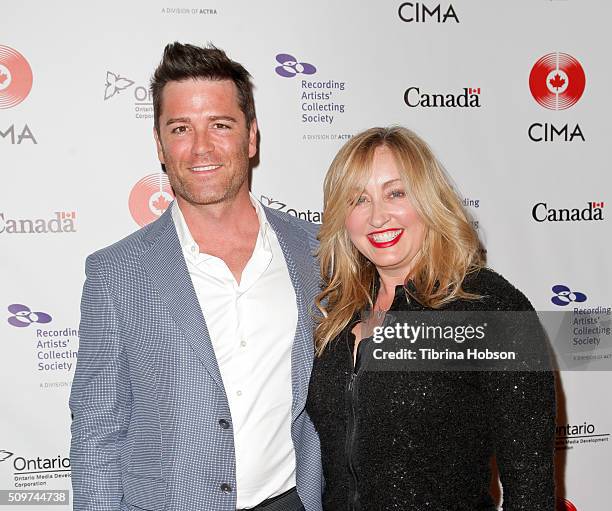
(395, 194)
(360, 200)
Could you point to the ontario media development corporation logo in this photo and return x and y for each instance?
(15, 86)
(583, 435)
(421, 12)
(321, 102)
(308, 214)
(60, 222)
(556, 81)
(53, 349)
(140, 96)
(35, 471)
(149, 198)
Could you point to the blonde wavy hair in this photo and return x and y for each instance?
(451, 248)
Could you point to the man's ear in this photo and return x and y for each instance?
(253, 138)
(160, 149)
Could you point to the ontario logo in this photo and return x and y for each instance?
(115, 84)
(564, 296)
(149, 198)
(22, 316)
(290, 67)
(141, 98)
(308, 215)
(15, 77)
(557, 81)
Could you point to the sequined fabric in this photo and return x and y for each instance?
(424, 440)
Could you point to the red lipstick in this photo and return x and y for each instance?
(385, 244)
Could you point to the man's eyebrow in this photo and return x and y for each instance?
(177, 119)
(223, 118)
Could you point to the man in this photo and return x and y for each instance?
(196, 332)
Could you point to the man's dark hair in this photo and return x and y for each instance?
(186, 61)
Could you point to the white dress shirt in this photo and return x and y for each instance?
(252, 326)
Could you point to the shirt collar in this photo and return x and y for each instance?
(191, 248)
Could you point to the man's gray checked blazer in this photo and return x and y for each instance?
(147, 395)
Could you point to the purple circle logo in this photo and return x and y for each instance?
(23, 316)
(564, 295)
(290, 67)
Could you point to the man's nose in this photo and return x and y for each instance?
(202, 143)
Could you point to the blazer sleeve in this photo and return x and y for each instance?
(100, 400)
(522, 408)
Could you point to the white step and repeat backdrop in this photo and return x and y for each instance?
(512, 96)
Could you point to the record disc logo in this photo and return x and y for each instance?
(15, 77)
(149, 198)
(566, 505)
(557, 81)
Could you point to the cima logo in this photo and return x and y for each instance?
(149, 198)
(420, 12)
(15, 77)
(5, 455)
(22, 316)
(557, 81)
(115, 84)
(290, 67)
(565, 296)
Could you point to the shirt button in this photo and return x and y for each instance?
(226, 488)
(243, 343)
(224, 424)
(193, 248)
(239, 393)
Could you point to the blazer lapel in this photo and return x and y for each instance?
(165, 264)
(297, 255)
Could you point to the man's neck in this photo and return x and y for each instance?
(230, 216)
(226, 230)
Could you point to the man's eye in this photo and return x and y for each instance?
(220, 125)
(179, 130)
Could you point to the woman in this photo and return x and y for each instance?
(395, 238)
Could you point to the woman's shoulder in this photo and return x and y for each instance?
(495, 291)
